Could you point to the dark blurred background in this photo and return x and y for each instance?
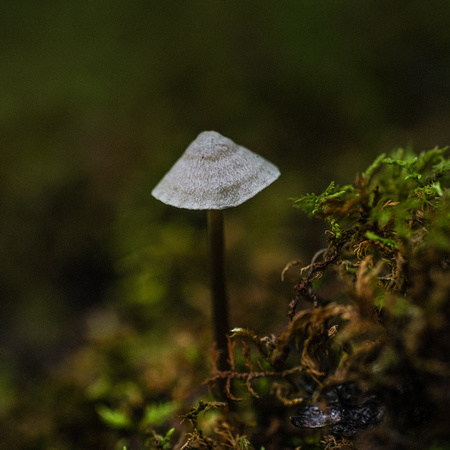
(99, 98)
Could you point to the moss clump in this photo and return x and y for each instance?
(368, 330)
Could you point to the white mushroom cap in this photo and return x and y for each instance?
(215, 173)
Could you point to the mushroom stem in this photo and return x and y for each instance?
(218, 288)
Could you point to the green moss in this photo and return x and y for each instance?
(383, 326)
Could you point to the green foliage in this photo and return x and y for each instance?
(312, 204)
(163, 442)
(114, 418)
(156, 414)
(391, 192)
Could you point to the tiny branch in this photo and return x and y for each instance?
(248, 377)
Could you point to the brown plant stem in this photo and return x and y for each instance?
(218, 287)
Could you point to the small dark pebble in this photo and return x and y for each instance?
(347, 410)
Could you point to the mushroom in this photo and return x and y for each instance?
(213, 174)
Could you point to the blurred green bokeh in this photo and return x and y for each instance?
(99, 98)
